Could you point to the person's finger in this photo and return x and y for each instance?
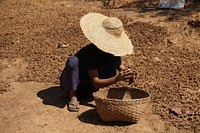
(127, 73)
(127, 70)
(127, 77)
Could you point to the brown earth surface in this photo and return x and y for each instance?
(166, 63)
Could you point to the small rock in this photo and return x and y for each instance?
(172, 59)
(189, 112)
(156, 59)
(62, 45)
(176, 111)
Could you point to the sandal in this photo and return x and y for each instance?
(73, 109)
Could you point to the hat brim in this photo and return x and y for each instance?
(91, 25)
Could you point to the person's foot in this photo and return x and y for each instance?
(73, 104)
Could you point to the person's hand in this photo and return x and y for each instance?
(126, 75)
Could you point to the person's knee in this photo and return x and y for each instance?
(73, 62)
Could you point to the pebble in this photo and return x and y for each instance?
(62, 45)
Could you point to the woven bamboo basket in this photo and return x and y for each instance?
(121, 104)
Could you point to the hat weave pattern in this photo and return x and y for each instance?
(106, 33)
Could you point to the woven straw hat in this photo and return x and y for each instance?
(106, 33)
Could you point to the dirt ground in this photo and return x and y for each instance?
(166, 62)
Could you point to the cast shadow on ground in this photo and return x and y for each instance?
(56, 96)
(91, 116)
(143, 6)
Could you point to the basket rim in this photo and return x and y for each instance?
(95, 94)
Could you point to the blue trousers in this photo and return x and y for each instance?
(75, 78)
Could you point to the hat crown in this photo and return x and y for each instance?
(112, 23)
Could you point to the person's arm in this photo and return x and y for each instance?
(99, 83)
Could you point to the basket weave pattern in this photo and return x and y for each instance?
(120, 105)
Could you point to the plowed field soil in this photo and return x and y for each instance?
(166, 62)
